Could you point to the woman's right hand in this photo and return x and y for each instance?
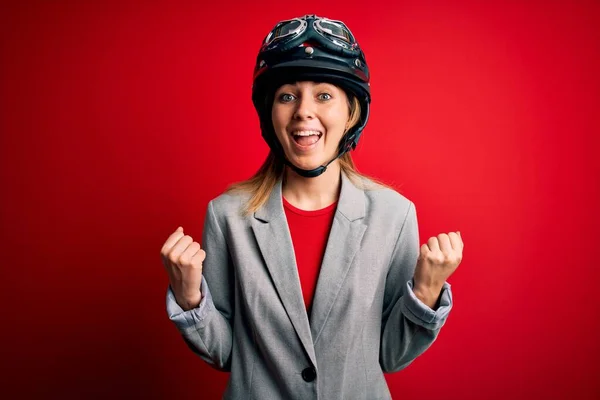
(182, 258)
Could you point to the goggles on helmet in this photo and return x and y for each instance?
(328, 32)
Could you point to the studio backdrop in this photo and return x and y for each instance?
(119, 121)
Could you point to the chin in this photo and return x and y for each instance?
(309, 163)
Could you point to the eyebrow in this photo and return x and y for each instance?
(289, 86)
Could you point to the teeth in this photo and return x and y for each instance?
(306, 133)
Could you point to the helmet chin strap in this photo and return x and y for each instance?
(312, 173)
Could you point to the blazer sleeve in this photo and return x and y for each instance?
(409, 327)
(207, 328)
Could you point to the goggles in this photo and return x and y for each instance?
(334, 32)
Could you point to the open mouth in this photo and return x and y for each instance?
(306, 138)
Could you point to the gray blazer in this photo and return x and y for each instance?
(364, 321)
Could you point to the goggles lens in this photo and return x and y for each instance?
(336, 29)
(285, 29)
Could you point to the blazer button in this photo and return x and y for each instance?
(309, 374)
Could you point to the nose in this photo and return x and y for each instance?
(305, 107)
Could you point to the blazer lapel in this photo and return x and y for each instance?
(344, 239)
(273, 236)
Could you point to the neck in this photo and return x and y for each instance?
(313, 193)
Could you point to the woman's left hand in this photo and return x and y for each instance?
(438, 259)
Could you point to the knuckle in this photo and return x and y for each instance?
(438, 257)
(173, 258)
(199, 257)
(164, 250)
(184, 259)
(432, 257)
(455, 258)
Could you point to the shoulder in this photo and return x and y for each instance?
(384, 196)
(228, 204)
(385, 203)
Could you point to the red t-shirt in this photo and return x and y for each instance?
(309, 231)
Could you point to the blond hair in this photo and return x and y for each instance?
(260, 185)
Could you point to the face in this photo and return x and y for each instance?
(310, 119)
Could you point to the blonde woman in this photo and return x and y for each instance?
(310, 282)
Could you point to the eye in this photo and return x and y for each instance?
(286, 97)
(325, 96)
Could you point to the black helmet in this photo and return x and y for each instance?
(316, 49)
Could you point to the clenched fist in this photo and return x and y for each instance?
(182, 258)
(438, 259)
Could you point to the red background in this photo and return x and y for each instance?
(119, 121)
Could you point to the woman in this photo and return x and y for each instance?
(310, 283)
